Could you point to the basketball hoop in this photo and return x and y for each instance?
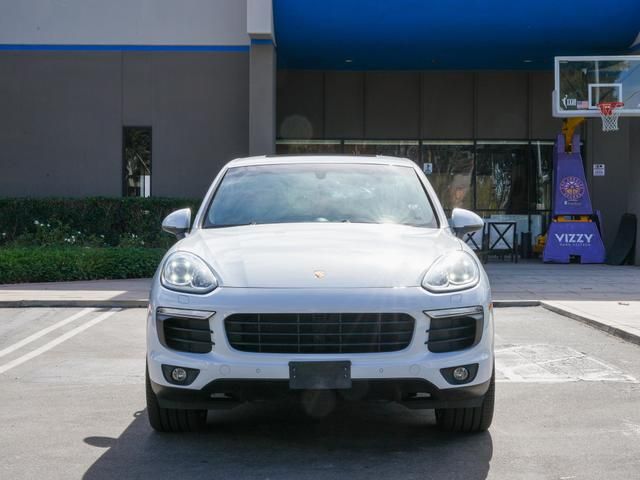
(609, 113)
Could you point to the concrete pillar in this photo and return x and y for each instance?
(262, 98)
(262, 78)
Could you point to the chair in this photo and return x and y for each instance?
(501, 239)
(475, 240)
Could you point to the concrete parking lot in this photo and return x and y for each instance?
(72, 396)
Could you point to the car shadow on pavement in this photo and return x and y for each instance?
(276, 441)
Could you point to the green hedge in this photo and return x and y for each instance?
(108, 218)
(53, 264)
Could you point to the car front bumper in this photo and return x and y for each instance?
(394, 375)
(411, 392)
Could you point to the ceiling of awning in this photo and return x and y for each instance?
(449, 34)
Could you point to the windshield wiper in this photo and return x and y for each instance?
(226, 225)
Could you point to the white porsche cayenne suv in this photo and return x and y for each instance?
(331, 275)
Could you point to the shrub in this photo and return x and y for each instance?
(53, 264)
(47, 235)
(99, 220)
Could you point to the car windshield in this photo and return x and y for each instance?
(294, 193)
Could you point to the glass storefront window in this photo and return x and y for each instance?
(501, 176)
(300, 147)
(136, 161)
(394, 148)
(542, 159)
(449, 168)
(494, 178)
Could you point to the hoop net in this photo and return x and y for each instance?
(609, 113)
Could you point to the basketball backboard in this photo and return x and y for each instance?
(581, 83)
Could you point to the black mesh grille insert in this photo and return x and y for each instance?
(451, 333)
(186, 334)
(319, 332)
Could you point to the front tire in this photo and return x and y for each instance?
(171, 419)
(469, 420)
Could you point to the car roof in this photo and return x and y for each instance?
(292, 159)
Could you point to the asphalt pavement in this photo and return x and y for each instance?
(72, 397)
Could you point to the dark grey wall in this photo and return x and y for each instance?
(63, 113)
(618, 191)
(60, 124)
(300, 100)
(343, 105)
(502, 110)
(392, 105)
(200, 119)
(137, 91)
(541, 123)
(633, 205)
(408, 105)
(445, 92)
(607, 193)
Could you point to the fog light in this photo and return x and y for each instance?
(460, 374)
(180, 374)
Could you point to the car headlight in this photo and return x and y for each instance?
(451, 272)
(185, 272)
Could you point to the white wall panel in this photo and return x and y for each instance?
(124, 22)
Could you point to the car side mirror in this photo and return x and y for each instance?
(177, 223)
(464, 221)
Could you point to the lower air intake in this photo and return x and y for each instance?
(452, 330)
(319, 332)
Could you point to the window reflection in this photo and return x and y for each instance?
(542, 158)
(488, 176)
(501, 178)
(449, 167)
(137, 161)
(300, 147)
(394, 148)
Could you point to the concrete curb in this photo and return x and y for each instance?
(611, 330)
(516, 303)
(74, 303)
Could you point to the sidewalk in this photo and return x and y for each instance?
(95, 293)
(544, 281)
(602, 296)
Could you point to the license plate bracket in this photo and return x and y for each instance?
(319, 375)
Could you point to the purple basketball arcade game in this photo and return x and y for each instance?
(574, 232)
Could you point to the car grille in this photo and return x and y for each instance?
(319, 332)
(451, 331)
(185, 334)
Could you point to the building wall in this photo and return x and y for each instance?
(618, 191)
(63, 114)
(633, 205)
(485, 105)
(124, 22)
(61, 124)
(404, 105)
(612, 149)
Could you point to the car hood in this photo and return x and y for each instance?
(320, 255)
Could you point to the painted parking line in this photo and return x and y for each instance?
(44, 331)
(57, 341)
(544, 363)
